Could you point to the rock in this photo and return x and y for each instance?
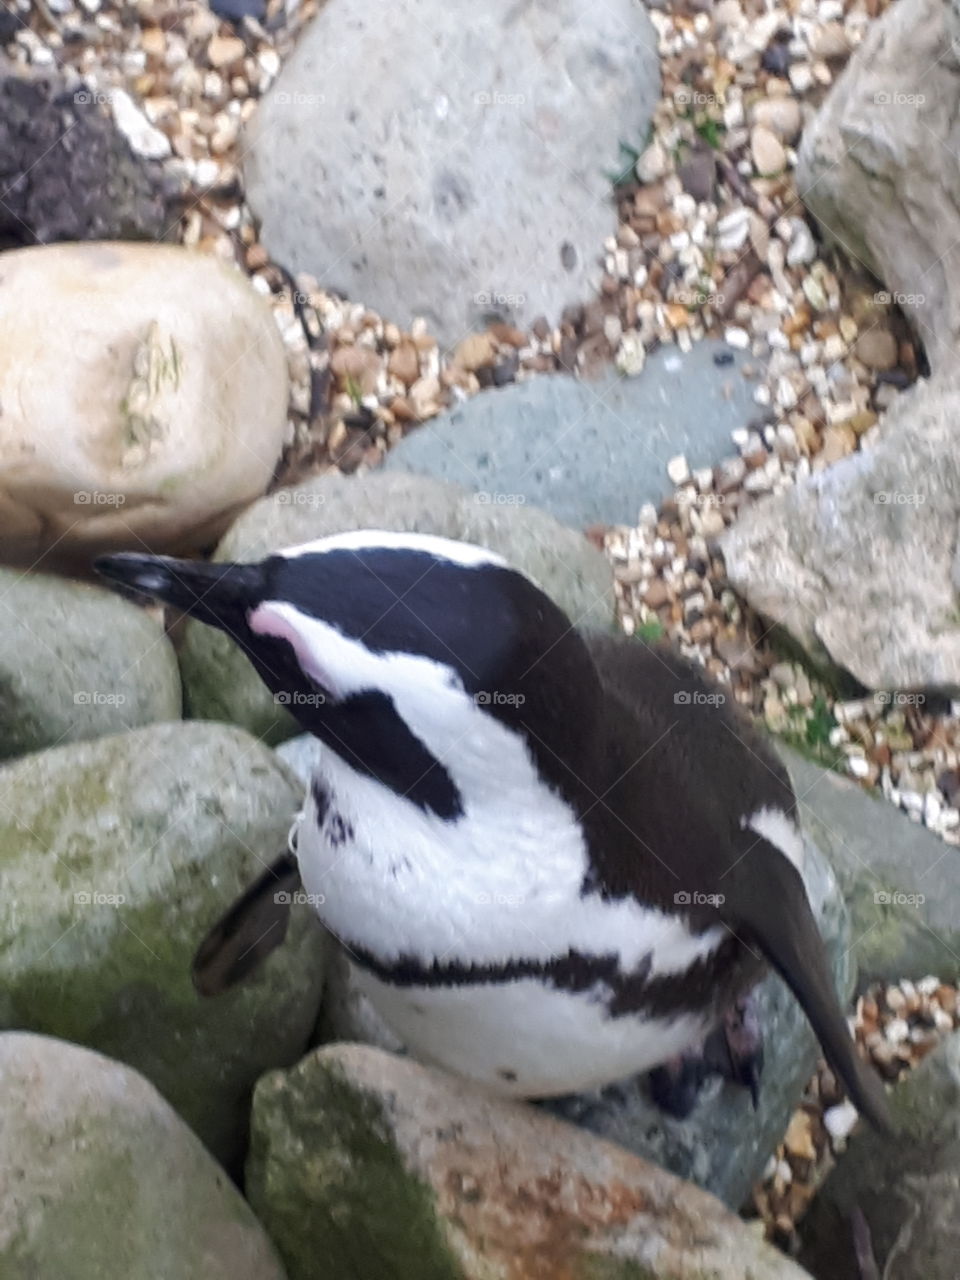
(236, 10)
(76, 662)
(900, 882)
(780, 116)
(411, 1172)
(767, 151)
(476, 351)
(871, 165)
(858, 561)
(116, 857)
(698, 173)
(877, 349)
(220, 684)
(151, 412)
(476, 182)
(588, 452)
(101, 1178)
(908, 1191)
(144, 138)
(66, 171)
(724, 1144)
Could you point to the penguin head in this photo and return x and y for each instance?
(387, 646)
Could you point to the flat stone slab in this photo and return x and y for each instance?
(589, 452)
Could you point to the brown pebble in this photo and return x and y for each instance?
(404, 363)
(256, 257)
(656, 594)
(798, 1139)
(877, 349)
(508, 334)
(361, 365)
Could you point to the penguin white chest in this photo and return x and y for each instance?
(475, 941)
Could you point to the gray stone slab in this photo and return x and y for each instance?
(589, 451)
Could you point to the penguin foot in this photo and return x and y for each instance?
(733, 1051)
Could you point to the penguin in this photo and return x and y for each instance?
(555, 858)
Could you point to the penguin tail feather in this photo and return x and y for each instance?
(766, 903)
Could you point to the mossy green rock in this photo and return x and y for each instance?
(907, 1189)
(76, 662)
(365, 1166)
(116, 856)
(219, 682)
(100, 1179)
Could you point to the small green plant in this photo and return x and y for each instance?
(712, 132)
(353, 390)
(649, 632)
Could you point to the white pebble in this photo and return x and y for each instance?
(897, 1030)
(144, 139)
(736, 337)
(840, 1120)
(678, 469)
(858, 766)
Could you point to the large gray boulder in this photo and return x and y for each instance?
(366, 1165)
(476, 180)
(876, 169)
(219, 682)
(859, 561)
(588, 452)
(116, 856)
(100, 1178)
(900, 882)
(76, 662)
(907, 1191)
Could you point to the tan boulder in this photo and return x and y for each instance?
(143, 397)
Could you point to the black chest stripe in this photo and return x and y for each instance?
(709, 983)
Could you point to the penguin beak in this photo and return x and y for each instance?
(220, 595)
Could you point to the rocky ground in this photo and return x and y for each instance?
(720, 307)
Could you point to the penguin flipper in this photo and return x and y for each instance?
(766, 904)
(254, 926)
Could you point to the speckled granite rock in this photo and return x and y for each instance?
(476, 180)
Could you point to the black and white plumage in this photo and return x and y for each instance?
(555, 859)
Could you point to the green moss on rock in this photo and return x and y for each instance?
(329, 1184)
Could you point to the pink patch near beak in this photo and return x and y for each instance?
(269, 619)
